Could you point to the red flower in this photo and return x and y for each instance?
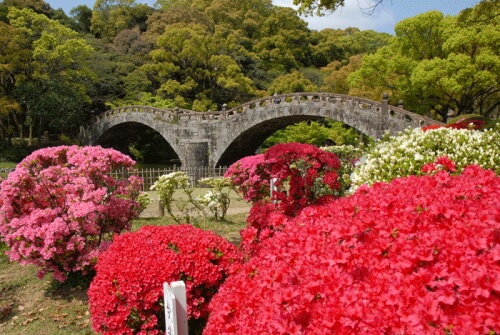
(413, 256)
(126, 294)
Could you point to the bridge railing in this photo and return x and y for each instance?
(178, 114)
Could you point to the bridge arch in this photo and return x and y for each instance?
(258, 119)
(221, 137)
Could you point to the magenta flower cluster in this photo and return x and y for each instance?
(126, 294)
(60, 207)
(418, 255)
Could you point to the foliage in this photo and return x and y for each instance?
(313, 132)
(302, 175)
(126, 294)
(422, 250)
(217, 200)
(290, 83)
(250, 179)
(436, 64)
(405, 154)
(60, 207)
(166, 185)
(349, 156)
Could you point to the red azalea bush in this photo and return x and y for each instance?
(126, 294)
(304, 174)
(418, 255)
(60, 207)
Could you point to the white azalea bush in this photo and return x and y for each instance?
(406, 153)
(166, 186)
(216, 201)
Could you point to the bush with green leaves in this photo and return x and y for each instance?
(216, 201)
(349, 156)
(406, 153)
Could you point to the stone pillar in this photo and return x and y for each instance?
(382, 116)
(195, 156)
(224, 111)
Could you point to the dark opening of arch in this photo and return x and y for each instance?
(142, 143)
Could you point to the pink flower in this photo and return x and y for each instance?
(60, 203)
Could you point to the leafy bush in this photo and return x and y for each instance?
(216, 200)
(304, 175)
(418, 255)
(349, 156)
(60, 207)
(250, 179)
(405, 154)
(126, 295)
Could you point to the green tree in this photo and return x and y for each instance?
(330, 45)
(436, 64)
(310, 7)
(314, 132)
(82, 17)
(336, 80)
(52, 81)
(193, 63)
(290, 83)
(109, 17)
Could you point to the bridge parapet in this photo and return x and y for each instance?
(179, 114)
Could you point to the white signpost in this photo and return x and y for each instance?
(174, 296)
(273, 187)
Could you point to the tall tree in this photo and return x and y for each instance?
(109, 17)
(193, 65)
(82, 17)
(53, 80)
(437, 64)
(319, 7)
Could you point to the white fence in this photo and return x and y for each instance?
(151, 175)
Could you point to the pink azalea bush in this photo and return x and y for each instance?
(418, 255)
(126, 294)
(60, 207)
(250, 178)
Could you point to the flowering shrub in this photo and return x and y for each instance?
(250, 178)
(349, 156)
(418, 255)
(405, 154)
(216, 201)
(60, 207)
(303, 173)
(126, 295)
(166, 186)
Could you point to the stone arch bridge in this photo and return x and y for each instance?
(222, 137)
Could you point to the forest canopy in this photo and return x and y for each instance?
(57, 69)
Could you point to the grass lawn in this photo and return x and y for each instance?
(29, 306)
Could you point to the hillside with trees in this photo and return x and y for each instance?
(57, 69)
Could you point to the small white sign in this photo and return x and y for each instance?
(174, 296)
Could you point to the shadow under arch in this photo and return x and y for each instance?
(128, 136)
(249, 141)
